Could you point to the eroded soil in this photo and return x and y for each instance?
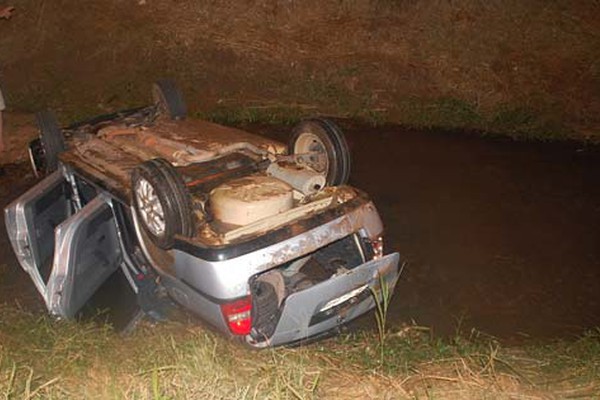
(497, 235)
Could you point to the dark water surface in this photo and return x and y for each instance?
(499, 236)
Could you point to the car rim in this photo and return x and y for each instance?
(159, 100)
(36, 173)
(308, 143)
(151, 210)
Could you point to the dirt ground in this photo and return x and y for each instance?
(522, 68)
(498, 236)
(19, 130)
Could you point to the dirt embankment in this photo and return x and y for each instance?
(20, 130)
(516, 67)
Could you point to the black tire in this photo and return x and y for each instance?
(36, 157)
(52, 139)
(329, 138)
(174, 199)
(169, 99)
(265, 310)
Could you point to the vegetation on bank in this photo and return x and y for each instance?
(42, 358)
(443, 114)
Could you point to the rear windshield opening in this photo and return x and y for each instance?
(270, 289)
(337, 257)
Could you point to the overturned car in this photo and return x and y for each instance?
(263, 241)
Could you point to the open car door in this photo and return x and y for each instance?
(67, 251)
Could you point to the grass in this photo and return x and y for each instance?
(516, 122)
(42, 358)
(382, 297)
(286, 115)
(273, 115)
(445, 113)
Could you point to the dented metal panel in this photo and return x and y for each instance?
(229, 278)
(298, 316)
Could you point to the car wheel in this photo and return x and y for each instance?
(325, 146)
(169, 99)
(265, 310)
(36, 157)
(161, 202)
(51, 138)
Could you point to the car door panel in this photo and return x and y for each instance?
(30, 222)
(67, 255)
(87, 252)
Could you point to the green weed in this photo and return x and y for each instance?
(41, 358)
(382, 296)
(276, 115)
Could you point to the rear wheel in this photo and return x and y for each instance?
(51, 138)
(324, 149)
(161, 202)
(169, 99)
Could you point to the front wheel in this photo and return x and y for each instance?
(169, 99)
(51, 139)
(161, 202)
(322, 147)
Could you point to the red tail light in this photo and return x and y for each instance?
(238, 315)
(377, 244)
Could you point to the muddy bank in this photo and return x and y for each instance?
(498, 236)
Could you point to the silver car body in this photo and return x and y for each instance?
(70, 240)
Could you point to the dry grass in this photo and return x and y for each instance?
(40, 358)
(522, 68)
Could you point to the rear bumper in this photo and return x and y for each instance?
(334, 302)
